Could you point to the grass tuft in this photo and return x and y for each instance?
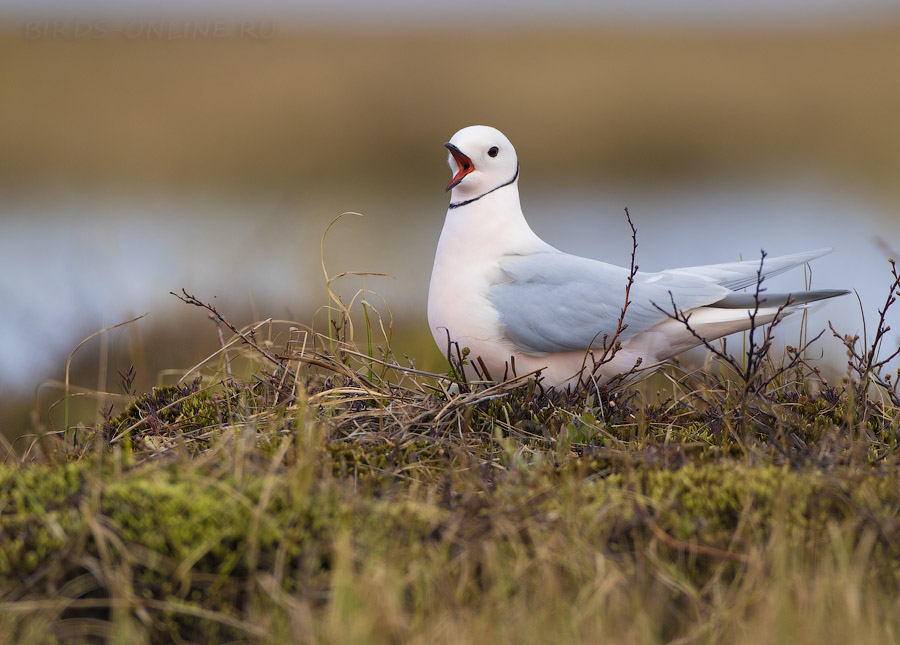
(296, 488)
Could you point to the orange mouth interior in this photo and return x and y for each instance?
(463, 163)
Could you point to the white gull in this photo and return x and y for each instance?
(521, 305)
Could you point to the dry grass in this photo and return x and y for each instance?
(308, 487)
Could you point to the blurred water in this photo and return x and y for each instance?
(70, 268)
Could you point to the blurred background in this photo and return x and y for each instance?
(207, 146)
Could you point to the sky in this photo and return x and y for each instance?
(506, 12)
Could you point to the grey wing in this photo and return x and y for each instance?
(739, 275)
(552, 302)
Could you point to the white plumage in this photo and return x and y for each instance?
(513, 299)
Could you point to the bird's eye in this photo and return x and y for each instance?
(493, 151)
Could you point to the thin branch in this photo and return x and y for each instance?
(612, 344)
(191, 300)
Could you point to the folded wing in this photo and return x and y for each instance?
(555, 302)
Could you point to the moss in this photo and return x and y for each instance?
(385, 459)
(169, 410)
(194, 535)
(39, 515)
(515, 499)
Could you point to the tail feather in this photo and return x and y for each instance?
(733, 314)
(750, 301)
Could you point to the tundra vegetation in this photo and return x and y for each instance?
(304, 486)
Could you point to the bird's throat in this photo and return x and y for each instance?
(475, 199)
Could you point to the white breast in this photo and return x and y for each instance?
(474, 238)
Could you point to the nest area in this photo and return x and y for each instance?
(319, 489)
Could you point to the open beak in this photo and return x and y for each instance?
(463, 163)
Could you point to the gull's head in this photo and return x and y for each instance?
(482, 159)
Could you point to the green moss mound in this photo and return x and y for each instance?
(335, 497)
(198, 550)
